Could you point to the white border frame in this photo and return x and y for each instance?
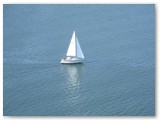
(157, 86)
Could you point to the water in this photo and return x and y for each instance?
(117, 77)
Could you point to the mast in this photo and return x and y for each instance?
(75, 43)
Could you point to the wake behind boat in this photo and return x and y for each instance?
(74, 53)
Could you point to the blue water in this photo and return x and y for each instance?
(117, 77)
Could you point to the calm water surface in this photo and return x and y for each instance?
(117, 77)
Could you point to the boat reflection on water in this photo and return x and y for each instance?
(73, 74)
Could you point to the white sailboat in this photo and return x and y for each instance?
(74, 53)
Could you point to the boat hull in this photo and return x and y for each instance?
(63, 61)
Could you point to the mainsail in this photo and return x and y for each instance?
(74, 48)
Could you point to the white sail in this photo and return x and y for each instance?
(72, 46)
(79, 50)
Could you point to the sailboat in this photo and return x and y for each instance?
(74, 53)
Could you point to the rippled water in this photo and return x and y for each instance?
(117, 77)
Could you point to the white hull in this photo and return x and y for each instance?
(63, 61)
